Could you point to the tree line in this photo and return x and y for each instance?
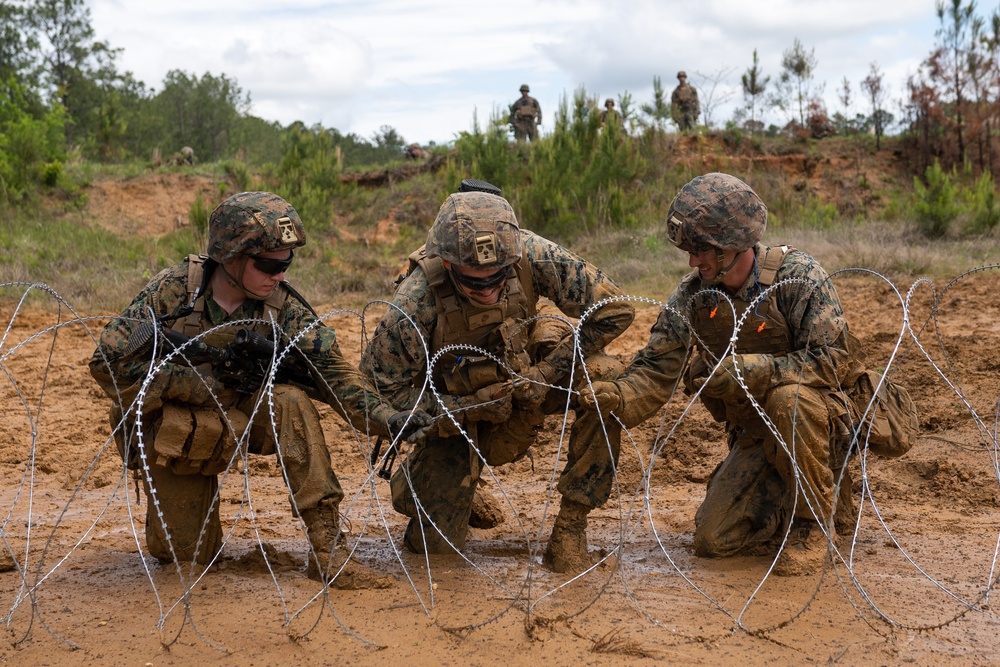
(63, 96)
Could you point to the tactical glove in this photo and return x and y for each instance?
(533, 385)
(405, 425)
(755, 369)
(603, 397)
(185, 385)
(490, 404)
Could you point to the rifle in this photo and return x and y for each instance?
(242, 364)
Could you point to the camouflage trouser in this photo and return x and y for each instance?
(189, 502)
(751, 494)
(687, 120)
(525, 129)
(442, 473)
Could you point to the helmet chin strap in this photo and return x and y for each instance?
(237, 282)
(719, 258)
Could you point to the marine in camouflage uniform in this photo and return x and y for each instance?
(684, 105)
(525, 116)
(476, 284)
(795, 355)
(190, 419)
(610, 111)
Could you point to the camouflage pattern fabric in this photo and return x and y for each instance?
(525, 117)
(251, 223)
(303, 446)
(455, 234)
(800, 391)
(443, 471)
(685, 107)
(716, 211)
(614, 114)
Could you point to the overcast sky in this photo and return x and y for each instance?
(425, 67)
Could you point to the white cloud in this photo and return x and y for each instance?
(423, 67)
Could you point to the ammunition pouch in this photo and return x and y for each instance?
(472, 373)
(197, 440)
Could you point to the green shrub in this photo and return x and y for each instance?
(51, 173)
(982, 202)
(935, 203)
(198, 222)
(239, 174)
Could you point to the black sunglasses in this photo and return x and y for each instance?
(273, 267)
(479, 284)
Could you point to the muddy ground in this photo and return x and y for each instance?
(911, 586)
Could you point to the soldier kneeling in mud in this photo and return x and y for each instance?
(193, 419)
(793, 355)
(472, 294)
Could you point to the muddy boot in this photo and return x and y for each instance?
(567, 552)
(329, 553)
(487, 512)
(805, 551)
(846, 516)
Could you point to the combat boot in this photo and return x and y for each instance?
(567, 552)
(804, 552)
(487, 512)
(329, 553)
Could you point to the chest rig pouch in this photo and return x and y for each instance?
(497, 328)
(764, 331)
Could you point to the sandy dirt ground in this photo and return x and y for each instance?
(913, 585)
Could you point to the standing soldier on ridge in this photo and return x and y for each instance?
(525, 116)
(684, 105)
(610, 112)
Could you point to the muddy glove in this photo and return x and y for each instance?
(405, 425)
(697, 369)
(490, 404)
(185, 385)
(603, 397)
(755, 369)
(531, 388)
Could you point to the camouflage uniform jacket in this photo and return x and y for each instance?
(121, 378)
(821, 352)
(685, 97)
(610, 113)
(526, 110)
(395, 356)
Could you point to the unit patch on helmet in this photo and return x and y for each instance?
(287, 230)
(486, 247)
(675, 230)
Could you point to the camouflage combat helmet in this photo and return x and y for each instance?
(682, 73)
(524, 88)
(609, 102)
(716, 211)
(251, 223)
(476, 230)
